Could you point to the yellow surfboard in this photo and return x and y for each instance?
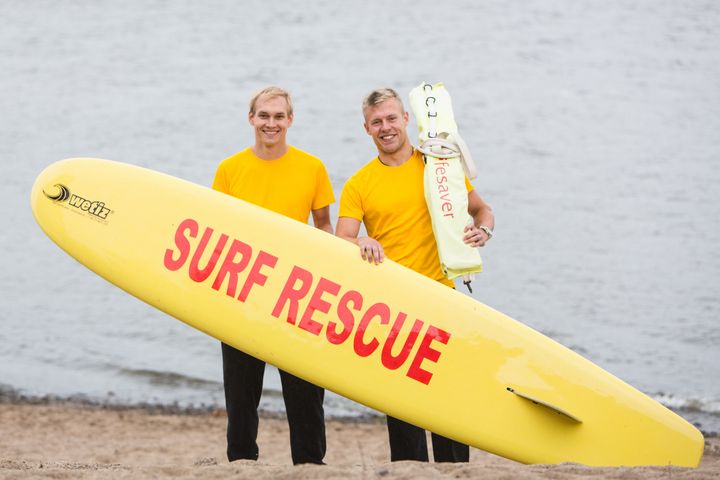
(384, 336)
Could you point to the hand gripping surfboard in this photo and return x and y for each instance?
(385, 336)
(447, 161)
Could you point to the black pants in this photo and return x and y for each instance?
(243, 379)
(408, 442)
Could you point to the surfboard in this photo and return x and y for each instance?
(382, 335)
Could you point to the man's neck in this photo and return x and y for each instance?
(397, 158)
(269, 152)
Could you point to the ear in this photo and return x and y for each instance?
(406, 117)
(290, 119)
(250, 117)
(367, 129)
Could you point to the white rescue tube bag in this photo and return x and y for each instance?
(447, 162)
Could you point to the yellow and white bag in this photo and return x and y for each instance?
(447, 162)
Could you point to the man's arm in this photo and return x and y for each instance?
(482, 214)
(348, 229)
(321, 219)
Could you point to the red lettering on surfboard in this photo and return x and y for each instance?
(345, 316)
(310, 302)
(256, 277)
(394, 362)
(182, 243)
(382, 312)
(198, 274)
(318, 304)
(231, 267)
(426, 352)
(292, 295)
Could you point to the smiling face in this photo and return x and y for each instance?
(270, 119)
(387, 123)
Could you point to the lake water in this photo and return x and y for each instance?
(594, 125)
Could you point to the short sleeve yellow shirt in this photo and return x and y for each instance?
(292, 185)
(391, 202)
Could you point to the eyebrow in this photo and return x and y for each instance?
(392, 116)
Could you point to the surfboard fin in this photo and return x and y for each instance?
(549, 405)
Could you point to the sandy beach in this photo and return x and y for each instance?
(67, 440)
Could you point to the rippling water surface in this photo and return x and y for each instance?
(594, 125)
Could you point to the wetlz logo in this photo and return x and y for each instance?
(92, 207)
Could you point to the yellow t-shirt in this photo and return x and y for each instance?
(391, 203)
(292, 185)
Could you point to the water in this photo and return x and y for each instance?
(594, 124)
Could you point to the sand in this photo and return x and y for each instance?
(68, 440)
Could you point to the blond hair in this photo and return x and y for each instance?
(378, 96)
(272, 92)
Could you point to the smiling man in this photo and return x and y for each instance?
(282, 178)
(388, 196)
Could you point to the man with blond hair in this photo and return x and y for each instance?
(387, 195)
(282, 178)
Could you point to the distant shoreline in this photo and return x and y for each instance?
(12, 397)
